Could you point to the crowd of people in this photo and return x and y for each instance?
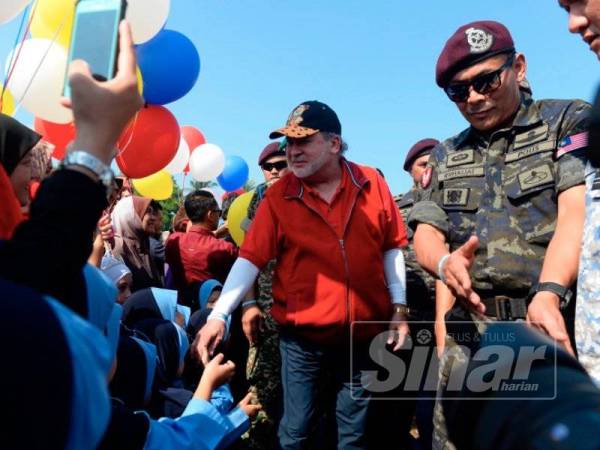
(130, 336)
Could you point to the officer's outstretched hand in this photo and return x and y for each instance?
(456, 272)
(544, 314)
(208, 338)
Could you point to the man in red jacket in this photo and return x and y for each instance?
(336, 234)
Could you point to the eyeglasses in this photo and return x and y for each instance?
(482, 84)
(279, 165)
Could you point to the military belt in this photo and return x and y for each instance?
(505, 308)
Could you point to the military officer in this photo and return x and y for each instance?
(506, 194)
(420, 285)
(263, 369)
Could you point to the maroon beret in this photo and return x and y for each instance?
(271, 149)
(471, 44)
(423, 147)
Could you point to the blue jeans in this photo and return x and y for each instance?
(304, 366)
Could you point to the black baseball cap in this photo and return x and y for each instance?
(309, 118)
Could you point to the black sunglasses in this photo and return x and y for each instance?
(482, 84)
(279, 165)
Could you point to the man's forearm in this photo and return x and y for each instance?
(430, 245)
(239, 281)
(562, 256)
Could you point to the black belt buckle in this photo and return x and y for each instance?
(510, 308)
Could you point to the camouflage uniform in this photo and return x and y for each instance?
(504, 190)
(263, 368)
(587, 318)
(420, 285)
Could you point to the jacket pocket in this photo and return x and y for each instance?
(532, 202)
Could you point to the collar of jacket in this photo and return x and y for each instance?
(295, 189)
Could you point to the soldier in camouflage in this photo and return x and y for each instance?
(584, 19)
(420, 285)
(263, 369)
(506, 194)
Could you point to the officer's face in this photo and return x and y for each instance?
(584, 19)
(274, 168)
(308, 156)
(488, 112)
(418, 167)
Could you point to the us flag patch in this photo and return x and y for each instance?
(571, 143)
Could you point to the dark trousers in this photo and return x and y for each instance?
(307, 368)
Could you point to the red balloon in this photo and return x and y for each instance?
(58, 134)
(149, 142)
(194, 138)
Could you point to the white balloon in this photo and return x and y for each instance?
(9, 9)
(38, 77)
(180, 159)
(147, 18)
(207, 161)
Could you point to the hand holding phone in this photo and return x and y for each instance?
(103, 109)
(95, 37)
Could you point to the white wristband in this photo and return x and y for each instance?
(440, 268)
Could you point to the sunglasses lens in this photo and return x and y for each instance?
(279, 165)
(487, 83)
(457, 92)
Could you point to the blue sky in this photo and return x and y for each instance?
(372, 62)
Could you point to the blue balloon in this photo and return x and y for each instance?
(170, 66)
(235, 174)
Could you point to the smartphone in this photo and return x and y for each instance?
(95, 37)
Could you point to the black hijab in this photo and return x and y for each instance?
(132, 377)
(16, 140)
(165, 336)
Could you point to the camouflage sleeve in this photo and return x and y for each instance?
(571, 148)
(427, 209)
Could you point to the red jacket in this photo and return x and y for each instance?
(327, 276)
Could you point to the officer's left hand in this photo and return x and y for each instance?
(398, 330)
(544, 314)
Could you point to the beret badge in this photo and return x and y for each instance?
(479, 40)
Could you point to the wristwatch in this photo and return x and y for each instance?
(90, 162)
(564, 293)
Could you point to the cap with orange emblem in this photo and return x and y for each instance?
(309, 118)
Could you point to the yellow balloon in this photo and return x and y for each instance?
(140, 80)
(238, 211)
(158, 186)
(8, 103)
(51, 17)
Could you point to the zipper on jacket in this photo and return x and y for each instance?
(342, 245)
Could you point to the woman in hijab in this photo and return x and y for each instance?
(48, 251)
(68, 365)
(16, 143)
(134, 220)
(134, 376)
(155, 303)
(119, 274)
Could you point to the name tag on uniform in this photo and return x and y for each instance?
(461, 173)
(541, 147)
(460, 158)
(456, 197)
(535, 177)
(531, 137)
